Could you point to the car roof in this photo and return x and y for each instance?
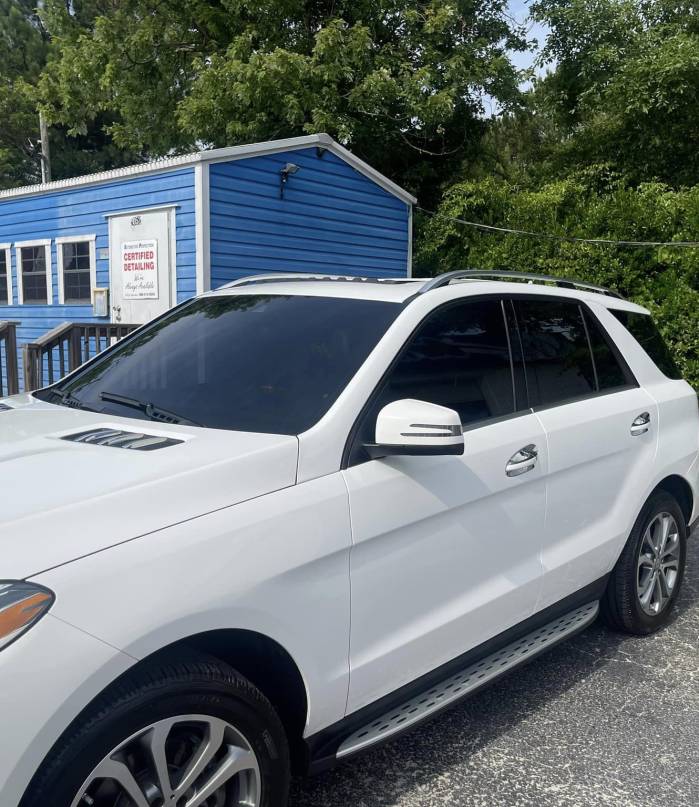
(400, 290)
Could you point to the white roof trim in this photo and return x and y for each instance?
(217, 155)
(137, 211)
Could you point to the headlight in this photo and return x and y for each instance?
(21, 606)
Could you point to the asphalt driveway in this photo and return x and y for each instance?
(600, 720)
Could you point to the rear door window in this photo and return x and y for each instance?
(556, 351)
(646, 333)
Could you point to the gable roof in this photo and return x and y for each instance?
(218, 155)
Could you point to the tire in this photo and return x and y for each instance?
(223, 709)
(622, 605)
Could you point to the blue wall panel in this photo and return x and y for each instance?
(332, 219)
(81, 211)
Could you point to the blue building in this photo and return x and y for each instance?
(127, 244)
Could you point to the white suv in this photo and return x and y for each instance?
(296, 516)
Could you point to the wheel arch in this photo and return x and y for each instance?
(680, 489)
(266, 664)
(260, 659)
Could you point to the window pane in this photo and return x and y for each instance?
(646, 333)
(76, 287)
(460, 358)
(34, 274)
(76, 272)
(610, 373)
(556, 352)
(3, 277)
(262, 363)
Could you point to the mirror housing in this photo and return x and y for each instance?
(416, 428)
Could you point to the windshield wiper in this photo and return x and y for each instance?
(68, 399)
(150, 410)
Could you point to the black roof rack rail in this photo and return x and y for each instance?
(476, 274)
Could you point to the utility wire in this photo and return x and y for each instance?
(563, 238)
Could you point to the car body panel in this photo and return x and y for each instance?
(596, 468)
(453, 563)
(71, 499)
(277, 565)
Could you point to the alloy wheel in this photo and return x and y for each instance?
(184, 761)
(658, 564)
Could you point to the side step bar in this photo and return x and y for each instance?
(469, 680)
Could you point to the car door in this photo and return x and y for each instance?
(599, 462)
(445, 550)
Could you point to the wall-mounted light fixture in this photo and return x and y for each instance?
(284, 174)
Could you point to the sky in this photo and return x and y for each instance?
(519, 9)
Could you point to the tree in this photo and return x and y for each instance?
(625, 88)
(25, 47)
(402, 82)
(22, 55)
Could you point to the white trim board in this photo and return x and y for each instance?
(218, 155)
(138, 210)
(7, 249)
(202, 227)
(46, 244)
(74, 239)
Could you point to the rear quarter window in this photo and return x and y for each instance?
(646, 333)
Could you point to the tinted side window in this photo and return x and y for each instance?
(644, 330)
(556, 352)
(610, 373)
(459, 358)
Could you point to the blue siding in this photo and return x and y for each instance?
(81, 211)
(332, 219)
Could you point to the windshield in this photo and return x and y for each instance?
(262, 363)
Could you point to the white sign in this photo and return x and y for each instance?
(139, 270)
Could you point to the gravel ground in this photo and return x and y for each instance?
(602, 720)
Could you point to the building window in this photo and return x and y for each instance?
(34, 272)
(76, 269)
(5, 276)
(76, 272)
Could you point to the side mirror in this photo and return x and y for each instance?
(416, 428)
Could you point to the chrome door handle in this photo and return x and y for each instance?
(641, 425)
(524, 460)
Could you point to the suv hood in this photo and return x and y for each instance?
(61, 500)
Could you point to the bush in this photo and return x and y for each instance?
(664, 279)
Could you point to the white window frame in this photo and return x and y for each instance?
(46, 244)
(7, 249)
(76, 239)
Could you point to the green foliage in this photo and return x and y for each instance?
(22, 54)
(401, 82)
(666, 280)
(625, 88)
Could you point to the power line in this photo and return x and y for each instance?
(564, 238)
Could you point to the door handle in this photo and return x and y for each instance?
(641, 424)
(524, 460)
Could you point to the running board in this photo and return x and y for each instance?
(469, 680)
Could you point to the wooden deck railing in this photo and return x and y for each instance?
(63, 349)
(9, 374)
